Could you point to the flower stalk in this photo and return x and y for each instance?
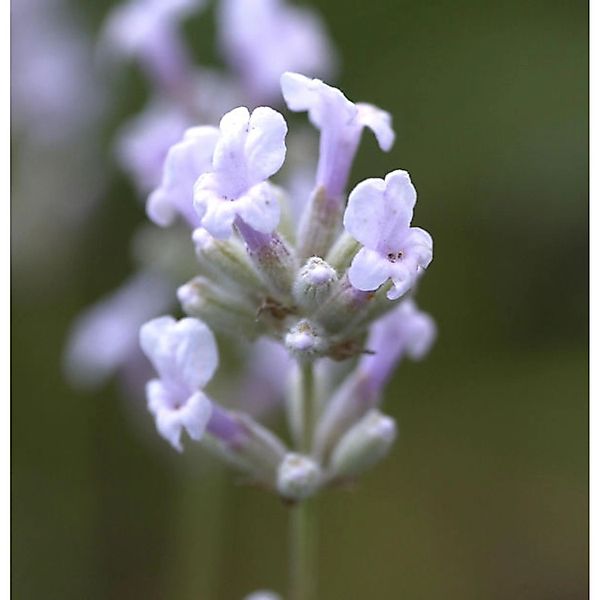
(303, 551)
(303, 525)
(320, 287)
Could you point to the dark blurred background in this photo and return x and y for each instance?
(485, 493)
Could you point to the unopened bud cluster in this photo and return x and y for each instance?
(337, 287)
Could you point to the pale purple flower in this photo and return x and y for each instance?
(184, 353)
(262, 39)
(340, 122)
(404, 331)
(148, 31)
(378, 215)
(250, 148)
(185, 162)
(105, 337)
(213, 93)
(144, 141)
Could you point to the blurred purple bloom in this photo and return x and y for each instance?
(404, 331)
(340, 122)
(148, 31)
(144, 142)
(54, 93)
(378, 215)
(105, 337)
(264, 38)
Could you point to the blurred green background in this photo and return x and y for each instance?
(485, 493)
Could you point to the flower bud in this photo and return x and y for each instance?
(298, 476)
(246, 444)
(304, 340)
(352, 400)
(314, 283)
(343, 306)
(363, 445)
(378, 305)
(201, 298)
(343, 251)
(227, 259)
(320, 223)
(272, 257)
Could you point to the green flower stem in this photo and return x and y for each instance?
(303, 555)
(303, 524)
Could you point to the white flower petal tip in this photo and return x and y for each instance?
(249, 150)
(379, 122)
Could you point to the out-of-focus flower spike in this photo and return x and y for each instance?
(263, 38)
(147, 30)
(105, 337)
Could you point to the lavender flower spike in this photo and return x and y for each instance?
(341, 123)
(250, 148)
(378, 215)
(184, 353)
(144, 142)
(185, 162)
(147, 30)
(103, 339)
(262, 39)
